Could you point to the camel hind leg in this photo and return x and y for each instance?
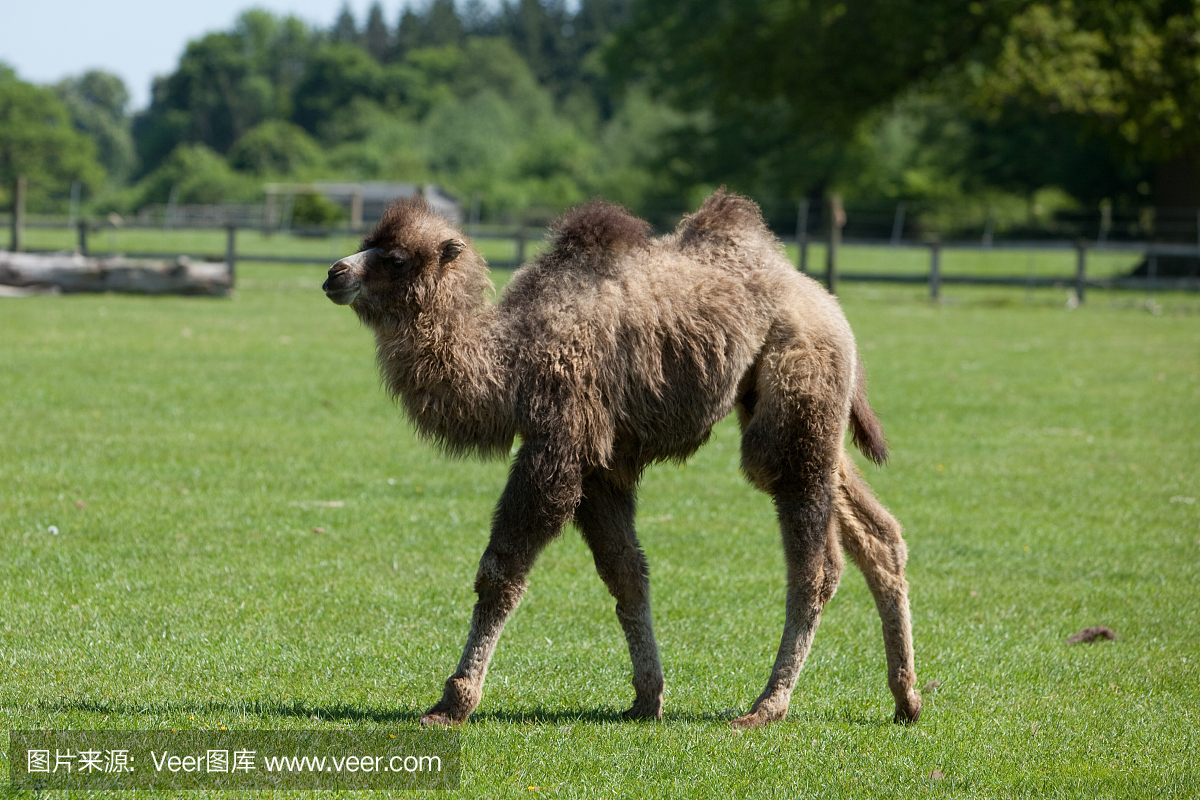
(814, 569)
(873, 538)
(794, 459)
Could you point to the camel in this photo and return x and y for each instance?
(615, 350)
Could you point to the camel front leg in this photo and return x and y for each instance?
(605, 517)
(540, 496)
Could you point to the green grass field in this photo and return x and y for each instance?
(249, 536)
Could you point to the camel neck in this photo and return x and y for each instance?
(441, 356)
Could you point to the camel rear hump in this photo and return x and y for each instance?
(724, 216)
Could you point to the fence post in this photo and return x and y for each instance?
(172, 205)
(231, 252)
(83, 234)
(898, 224)
(935, 267)
(356, 208)
(837, 219)
(1080, 269)
(73, 209)
(18, 214)
(802, 235)
(521, 245)
(473, 220)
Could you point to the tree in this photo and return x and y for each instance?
(316, 210)
(345, 30)
(590, 28)
(408, 34)
(337, 74)
(536, 29)
(766, 73)
(830, 62)
(225, 84)
(276, 148)
(1126, 72)
(1022, 149)
(97, 102)
(441, 25)
(37, 140)
(195, 174)
(376, 38)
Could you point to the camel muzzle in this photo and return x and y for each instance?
(344, 281)
(342, 295)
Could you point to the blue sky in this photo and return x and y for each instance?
(47, 40)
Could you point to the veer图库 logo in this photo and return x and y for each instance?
(230, 760)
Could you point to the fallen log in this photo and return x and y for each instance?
(71, 272)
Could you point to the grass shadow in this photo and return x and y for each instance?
(260, 708)
(299, 709)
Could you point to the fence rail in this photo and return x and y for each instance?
(935, 276)
(1079, 281)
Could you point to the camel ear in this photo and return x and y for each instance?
(450, 250)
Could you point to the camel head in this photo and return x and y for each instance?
(403, 258)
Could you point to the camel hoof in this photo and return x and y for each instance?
(755, 719)
(909, 711)
(439, 719)
(643, 711)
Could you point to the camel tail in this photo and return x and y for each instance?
(868, 433)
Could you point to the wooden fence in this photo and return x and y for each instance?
(1079, 280)
(935, 276)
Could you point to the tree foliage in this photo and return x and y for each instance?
(276, 148)
(1126, 74)
(226, 83)
(800, 95)
(376, 37)
(823, 64)
(966, 104)
(98, 106)
(39, 141)
(194, 173)
(500, 101)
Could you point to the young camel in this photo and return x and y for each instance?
(615, 350)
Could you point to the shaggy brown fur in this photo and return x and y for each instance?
(610, 352)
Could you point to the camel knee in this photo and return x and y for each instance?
(813, 582)
(626, 574)
(500, 580)
(831, 574)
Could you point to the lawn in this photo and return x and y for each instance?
(211, 516)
